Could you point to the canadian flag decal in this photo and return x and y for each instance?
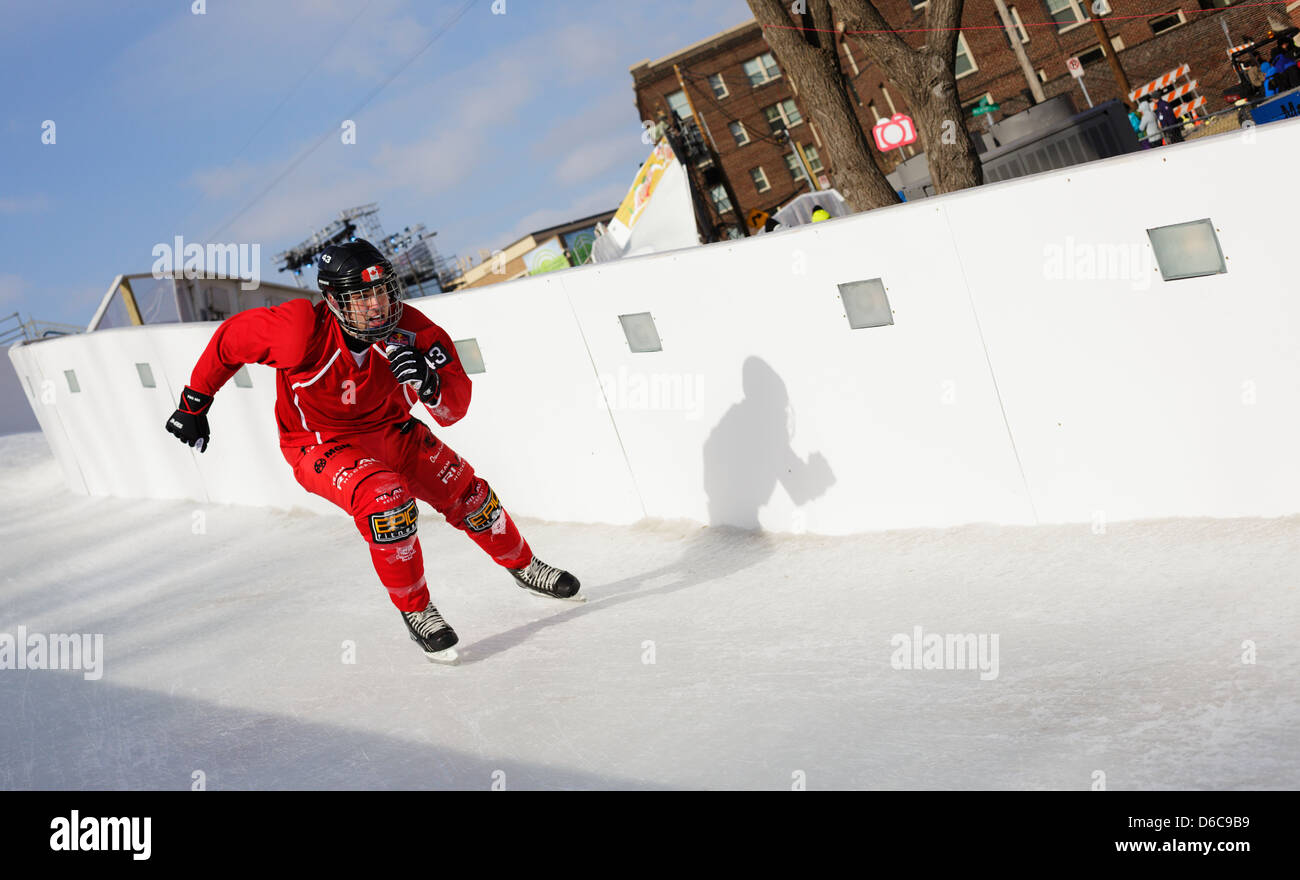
(372, 273)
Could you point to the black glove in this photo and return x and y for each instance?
(189, 423)
(414, 369)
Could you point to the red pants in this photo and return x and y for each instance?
(376, 478)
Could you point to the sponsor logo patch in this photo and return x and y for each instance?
(372, 273)
(401, 338)
(345, 475)
(393, 497)
(319, 465)
(394, 525)
(482, 519)
(449, 470)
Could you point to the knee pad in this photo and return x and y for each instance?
(478, 509)
(389, 514)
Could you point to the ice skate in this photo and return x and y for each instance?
(434, 636)
(547, 580)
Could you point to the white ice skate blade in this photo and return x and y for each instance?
(578, 598)
(447, 657)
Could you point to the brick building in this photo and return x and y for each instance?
(741, 98)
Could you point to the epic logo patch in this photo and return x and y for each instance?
(394, 525)
(482, 519)
(319, 465)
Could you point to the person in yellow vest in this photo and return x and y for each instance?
(819, 214)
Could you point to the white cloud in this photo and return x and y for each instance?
(590, 158)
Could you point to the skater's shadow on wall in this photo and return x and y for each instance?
(745, 456)
(749, 452)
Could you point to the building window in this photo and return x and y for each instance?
(1071, 13)
(1064, 12)
(783, 115)
(718, 86)
(738, 132)
(733, 231)
(1042, 75)
(1095, 54)
(760, 179)
(965, 61)
(1167, 22)
(917, 4)
(762, 69)
(720, 201)
(678, 104)
(795, 167)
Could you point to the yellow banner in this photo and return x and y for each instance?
(642, 189)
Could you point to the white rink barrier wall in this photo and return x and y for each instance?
(1020, 382)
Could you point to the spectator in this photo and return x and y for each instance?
(1286, 45)
(1266, 70)
(1250, 65)
(1173, 129)
(1285, 73)
(1136, 121)
(819, 214)
(1150, 127)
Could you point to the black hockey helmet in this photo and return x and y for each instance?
(350, 275)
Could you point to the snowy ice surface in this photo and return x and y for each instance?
(1119, 652)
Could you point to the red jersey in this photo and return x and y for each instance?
(321, 389)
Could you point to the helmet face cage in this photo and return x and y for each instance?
(343, 302)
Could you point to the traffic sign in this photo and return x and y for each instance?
(1076, 67)
(756, 218)
(985, 108)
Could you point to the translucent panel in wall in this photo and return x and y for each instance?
(641, 333)
(470, 356)
(156, 299)
(116, 314)
(865, 303)
(1187, 250)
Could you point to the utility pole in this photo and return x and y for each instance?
(1035, 87)
(703, 219)
(807, 166)
(1120, 78)
(707, 139)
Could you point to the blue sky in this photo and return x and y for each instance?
(170, 123)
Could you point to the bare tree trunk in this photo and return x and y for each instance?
(926, 79)
(810, 60)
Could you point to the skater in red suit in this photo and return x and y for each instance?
(348, 371)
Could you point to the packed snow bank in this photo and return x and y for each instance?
(704, 658)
